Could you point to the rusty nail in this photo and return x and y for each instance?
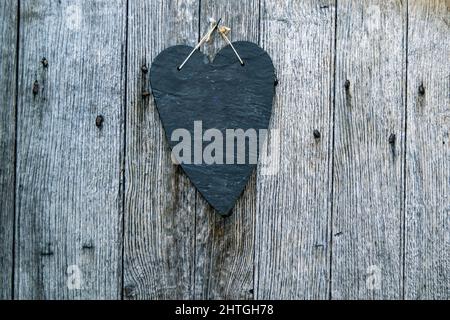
(145, 94)
(35, 87)
(316, 134)
(144, 69)
(99, 121)
(347, 84)
(421, 89)
(392, 138)
(44, 62)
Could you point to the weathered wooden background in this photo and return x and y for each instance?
(361, 212)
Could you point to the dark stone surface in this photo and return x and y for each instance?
(223, 95)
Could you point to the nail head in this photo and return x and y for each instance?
(316, 133)
(44, 62)
(99, 121)
(347, 84)
(421, 89)
(392, 138)
(35, 87)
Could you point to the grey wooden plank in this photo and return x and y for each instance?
(427, 232)
(159, 198)
(225, 246)
(293, 202)
(8, 49)
(368, 164)
(225, 249)
(69, 171)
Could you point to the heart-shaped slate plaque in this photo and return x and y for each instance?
(222, 95)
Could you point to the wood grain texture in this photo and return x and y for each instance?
(368, 159)
(427, 237)
(8, 50)
(159, 245)
(293, 203)
(69, 197)
(225, 245)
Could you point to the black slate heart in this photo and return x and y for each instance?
(223, 95)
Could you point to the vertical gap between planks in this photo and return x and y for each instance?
(333, 106)
(259, 23)
(125, 61)
(16, 96)
(199, 23)
(254, 287)
(405, 130)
